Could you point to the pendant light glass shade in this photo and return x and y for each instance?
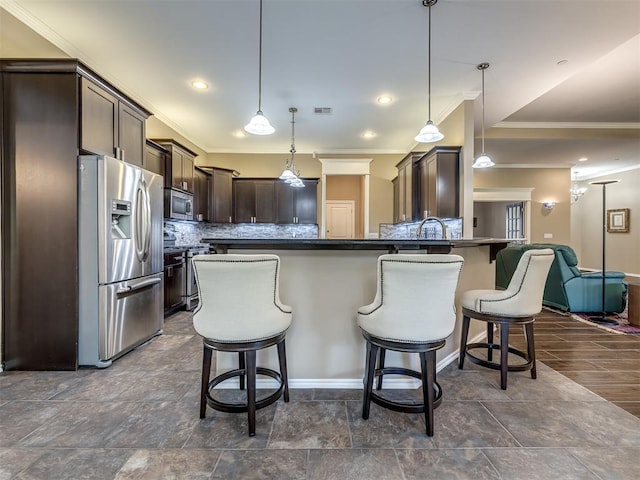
(429, 132)
(259, 125)
(483, 161)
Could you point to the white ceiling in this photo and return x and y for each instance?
(344, 53)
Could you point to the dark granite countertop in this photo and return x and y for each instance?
(221, 245)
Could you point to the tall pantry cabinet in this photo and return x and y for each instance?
(48, 117)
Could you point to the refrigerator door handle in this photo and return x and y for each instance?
(147, 246)
(140, 220)
(138, 286)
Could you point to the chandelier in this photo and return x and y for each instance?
(576, 191)
(291, 174)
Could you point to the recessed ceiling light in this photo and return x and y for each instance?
(583, 159)
(384, 99)
(239, 134)
(199, 85)
(368, 134)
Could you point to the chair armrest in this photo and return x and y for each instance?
(368, 309)
(598, 275)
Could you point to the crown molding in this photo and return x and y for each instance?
(586, 125)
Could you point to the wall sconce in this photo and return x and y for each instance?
(548, 205)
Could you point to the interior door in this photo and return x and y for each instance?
(340, 219)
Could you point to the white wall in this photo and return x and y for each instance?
(622, 249)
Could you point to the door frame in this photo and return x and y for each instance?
(345, 166)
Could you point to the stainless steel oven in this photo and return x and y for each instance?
(191, 296)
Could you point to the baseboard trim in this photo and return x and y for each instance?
(351, 383)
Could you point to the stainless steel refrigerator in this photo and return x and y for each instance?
(121, 262)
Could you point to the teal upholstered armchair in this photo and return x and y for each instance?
(567, 288)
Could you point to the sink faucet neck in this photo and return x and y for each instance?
(443, 227)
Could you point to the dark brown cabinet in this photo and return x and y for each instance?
(296, 205)
(405, 187)
(201, 195)
(438, 183)
(396, 200)
(179, 165)
(154, 157)
(109, 125)
(221, 196)
(253, 200)
(47, 116)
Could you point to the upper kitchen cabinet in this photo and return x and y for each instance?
(111, 124)
(179, 166)
(253, 200)
(201, 196)
(221, 196)
(438, 183)
(48, 116)
(155, 156)
(405, 191)
(296, 205)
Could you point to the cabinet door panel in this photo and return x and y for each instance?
(307, 203)
(176, 168)
(244, 201)
(187, 172)
(131, 135)
(154, 160)
(284, 202)
(265, 201)
(201, 202)
(99, 118)
(432, 204)
(222, 196)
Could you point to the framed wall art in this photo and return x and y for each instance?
(618, 220)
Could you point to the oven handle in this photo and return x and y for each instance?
(138, 286)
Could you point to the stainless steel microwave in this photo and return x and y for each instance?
(178, 205)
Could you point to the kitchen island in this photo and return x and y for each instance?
(325, 281)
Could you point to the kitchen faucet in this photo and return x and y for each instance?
(442, 226)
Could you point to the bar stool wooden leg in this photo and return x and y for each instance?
(463, 341)
(206, 372)
(531, 349)
(372, 353)
(242, 366)
(282, 358)
(428, 395)
(381, 357)
(490, 341)
(251, 390)
(504, 355)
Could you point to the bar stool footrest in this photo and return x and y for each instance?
(234, 407)
(404, 407)
(496, 365)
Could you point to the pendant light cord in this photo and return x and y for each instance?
(260, 65)
(483, 111)
(429, 63)
(293, 141)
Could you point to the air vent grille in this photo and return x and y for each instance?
(322, 110)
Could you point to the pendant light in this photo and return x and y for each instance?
(259, 125)
(483, 161)
(429, 132)
(290, 174)
(576, 190)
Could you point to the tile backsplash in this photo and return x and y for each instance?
(430, 231)
(190, 233)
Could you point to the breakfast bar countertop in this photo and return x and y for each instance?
(221, 245)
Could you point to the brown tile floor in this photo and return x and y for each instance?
(606, 363)
(139, 420)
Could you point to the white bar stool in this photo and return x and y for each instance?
(240, 311)
(517, 305)
(413, 311)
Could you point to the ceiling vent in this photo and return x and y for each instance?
(322, 110)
